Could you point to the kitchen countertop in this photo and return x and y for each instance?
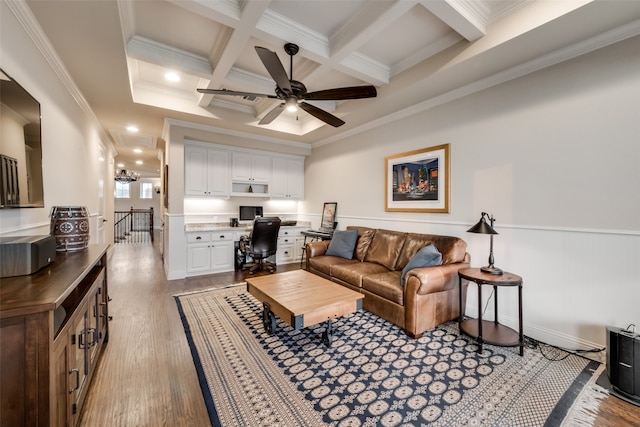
(224, 226)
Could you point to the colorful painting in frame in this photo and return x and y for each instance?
(418, 181)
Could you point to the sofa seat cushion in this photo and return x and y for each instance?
(385, 285)
(353, 273)
(324, 263)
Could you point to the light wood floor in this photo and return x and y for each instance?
(146, 375)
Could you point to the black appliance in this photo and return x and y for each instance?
(623, 363)
(249, 213)
(233, 222)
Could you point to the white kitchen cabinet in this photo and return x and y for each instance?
(210, 252)
(287, 178)
(206, 171)
(287, 245)
(251, 168)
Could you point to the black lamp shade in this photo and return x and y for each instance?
(482, 228)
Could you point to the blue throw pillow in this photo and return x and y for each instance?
(343, 243)
(425, 257)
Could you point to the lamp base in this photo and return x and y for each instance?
(491, 270)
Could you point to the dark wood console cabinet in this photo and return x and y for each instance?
(53, 325)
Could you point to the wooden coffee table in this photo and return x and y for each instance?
(302, 299)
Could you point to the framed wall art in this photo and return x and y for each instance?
(418, 181)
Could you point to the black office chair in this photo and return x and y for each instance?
(264, 243)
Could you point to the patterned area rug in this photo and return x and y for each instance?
(372, 375)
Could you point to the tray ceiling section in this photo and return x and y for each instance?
(211, 45)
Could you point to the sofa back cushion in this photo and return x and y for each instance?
(343, 243)
(385, 248)
(365, 235)
(452, 248)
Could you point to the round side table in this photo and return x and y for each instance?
(485, 331)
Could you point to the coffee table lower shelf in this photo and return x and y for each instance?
(492, 333)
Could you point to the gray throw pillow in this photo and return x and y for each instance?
(425, 257)
(343, 243)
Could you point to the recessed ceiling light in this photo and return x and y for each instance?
(132, 128)
(172, 76)
(137, 150)
(120, 165)
(138, 162)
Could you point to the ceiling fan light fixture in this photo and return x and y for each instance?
(292, 105)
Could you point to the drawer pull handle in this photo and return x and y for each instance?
(77, 372)
(222, 236)
(198, 238)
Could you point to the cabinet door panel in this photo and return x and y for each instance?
(222, 256)
(198, 258)
(241, 167)
(195, 171)
(261, 168)
(60, 382)
(218, 173)
(279, 178)
(287, 178)
(296, 179)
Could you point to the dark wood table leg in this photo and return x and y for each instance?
(461, 317)
(480, 341)
(495, 303)
(521, 332)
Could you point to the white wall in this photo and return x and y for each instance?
(72, 171)
(555, 156)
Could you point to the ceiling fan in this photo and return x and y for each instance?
(294, 93)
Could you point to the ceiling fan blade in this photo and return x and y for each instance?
(234, 93)
(271, 115)
(321, 114)
(274, 67)
(352, 92)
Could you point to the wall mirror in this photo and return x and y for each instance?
(20, 147)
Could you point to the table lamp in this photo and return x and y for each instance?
(483, 228)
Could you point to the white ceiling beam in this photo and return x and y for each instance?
(369, 22)
(226, 12)
(167, 56)
(467, 18)
(237, 40)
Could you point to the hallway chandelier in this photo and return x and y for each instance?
(123, 175)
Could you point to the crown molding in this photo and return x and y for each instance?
(32, 27)
(583, 47)
(214, 129)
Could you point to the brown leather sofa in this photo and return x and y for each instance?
(430, 294)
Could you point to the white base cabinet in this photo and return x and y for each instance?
(210, 252)
(288, 241)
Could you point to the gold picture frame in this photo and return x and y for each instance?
(418, 181)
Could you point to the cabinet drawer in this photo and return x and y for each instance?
(289, 232)
(198, 237)
(217, 236)
(285, 254)
(286, 240)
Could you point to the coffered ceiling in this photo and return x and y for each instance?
(417, 53)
